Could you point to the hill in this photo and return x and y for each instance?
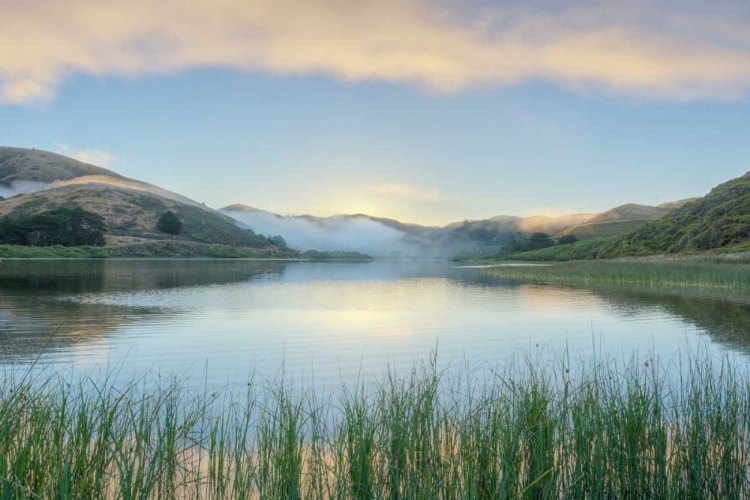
(133, 213)
(20, 165)
(621, 220)
(37, 181)
(630, 212)
(719, 219)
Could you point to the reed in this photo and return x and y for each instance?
(695, 273)
(579, 430)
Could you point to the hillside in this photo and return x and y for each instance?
(620, 220)
(133, 213)
(19, 165)
(719, 219)
(35, 181)
(630, 212)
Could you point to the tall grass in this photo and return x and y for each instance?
(696, 273)
(566, 430)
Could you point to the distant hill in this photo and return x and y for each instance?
(630, 212)
(621, 220)
(38, 180)
(719, 219)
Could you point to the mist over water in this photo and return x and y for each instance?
(346, 233)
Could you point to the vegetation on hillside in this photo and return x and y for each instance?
(720, 219)
(579, 250)
(602, 429)
(150, 249)
(134, 213)
(64, 226)
(604, 229)
(335, 255)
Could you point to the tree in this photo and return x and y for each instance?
(538, 241)
(568, 239)
(279, 242)
(66, 226)
(169, 223)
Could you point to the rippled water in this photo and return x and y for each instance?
(220, 321)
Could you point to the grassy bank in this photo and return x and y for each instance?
(728, 272)
(171, 249)
(564, 431)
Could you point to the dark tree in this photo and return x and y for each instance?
(279, 242)
(169, 223)
(538, 241)
(66, 226)
(568, 239)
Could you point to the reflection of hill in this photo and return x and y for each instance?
(33, 297)
(29, 326)
(724, 317)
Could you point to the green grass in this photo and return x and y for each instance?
(606, 229)
(580, 250)
(695, 272)
(563, 430)
(170, 249)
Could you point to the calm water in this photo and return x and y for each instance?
(220, 321)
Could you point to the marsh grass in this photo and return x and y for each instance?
(582, 430)
(694, 273)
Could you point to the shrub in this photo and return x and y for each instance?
(65, 226)
(169, 223)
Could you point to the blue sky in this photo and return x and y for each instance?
(370, 136)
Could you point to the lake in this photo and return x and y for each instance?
(222, 321)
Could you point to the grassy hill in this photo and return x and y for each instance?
(34, 165)
(718, 220)
(622, 220)
(134, 213)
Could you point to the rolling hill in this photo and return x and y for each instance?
(719, 219)
(38, 181)
(621, 220)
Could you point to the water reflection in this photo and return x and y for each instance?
(236, 315)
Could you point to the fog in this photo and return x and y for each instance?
(348, 233)
(22, 187)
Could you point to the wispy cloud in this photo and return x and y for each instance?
(412, 193)
(651, 49)
(92, 156)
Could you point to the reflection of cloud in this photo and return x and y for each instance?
(410, 192)
(90, 156)
(642, 48)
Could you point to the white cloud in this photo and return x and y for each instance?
(651, 49)
(92, 156)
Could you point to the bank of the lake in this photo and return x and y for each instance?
(167, 249)
(569, 429)
(720, 271)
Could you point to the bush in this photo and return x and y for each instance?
(66, 226)
(568, 239)
(169, 223)
(279, 242)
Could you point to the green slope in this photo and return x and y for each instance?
(718, 220)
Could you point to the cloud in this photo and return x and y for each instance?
(92, 156)
(411, 193)
(650, 49)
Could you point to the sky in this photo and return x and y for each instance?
(423, 111)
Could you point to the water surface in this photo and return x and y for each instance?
(219, 321)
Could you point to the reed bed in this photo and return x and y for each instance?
(667, 273)
(583, 430)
